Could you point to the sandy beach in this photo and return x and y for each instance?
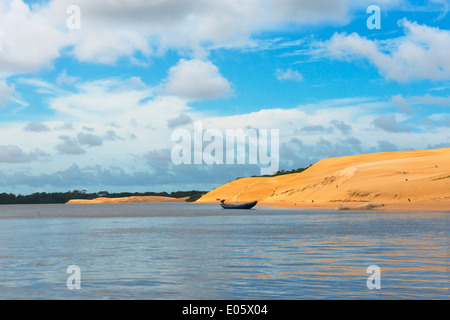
(443, 205)
(128, 200)
(402, 180)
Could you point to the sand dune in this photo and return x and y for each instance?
(409, 177)
(129, 199)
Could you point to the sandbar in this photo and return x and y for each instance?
(128, 200)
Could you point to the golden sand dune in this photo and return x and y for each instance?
(129, 199)
(409, 177)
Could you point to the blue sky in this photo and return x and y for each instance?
(94, 107)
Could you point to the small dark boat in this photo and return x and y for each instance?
(248, 205)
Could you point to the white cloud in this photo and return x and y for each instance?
(401, 102)
(289, 74)
(9, 95)
(28, 41)
(389, 123)
(90, 140)
(196, 80)
(445, 8)
(406, 104)
(139, 119)
(5, 93)
(65, 79)
(421, 54)
(344, 128)
(182, 119)
(104, 46)
(111, 30)
(99, 100)
(430, 100)
(36, 127)
(14, 154)
(70, 146)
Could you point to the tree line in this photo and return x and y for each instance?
(284, 172)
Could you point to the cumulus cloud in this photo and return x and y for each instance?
(74, 146)
(196, 80)
(36, 127)
(389, 123)
(386, 146)
(342, 127)
(14, 154)
(289, 74)
(111, 110)
(69, 145)
(71, 176)
(99, 177)
(401, 102)
(24, 30)
(314, 129)
(90, 140)
(295, 153)
(420, 54)
(111, 135)
(65, 126)
(406, 104)
(181, 120)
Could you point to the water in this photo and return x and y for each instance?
(199, 251)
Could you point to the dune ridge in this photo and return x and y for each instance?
(408, 177)
(128, 200)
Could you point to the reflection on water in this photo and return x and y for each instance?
(191, 251)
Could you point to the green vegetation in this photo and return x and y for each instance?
(441, 178)
(196, 196)
(284, 172)
(63, 197)
(280, 173)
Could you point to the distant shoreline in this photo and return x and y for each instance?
(83, 196)
(145, 199)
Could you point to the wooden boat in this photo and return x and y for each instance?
(248, 205)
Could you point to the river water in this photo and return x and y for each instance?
(200, 251)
